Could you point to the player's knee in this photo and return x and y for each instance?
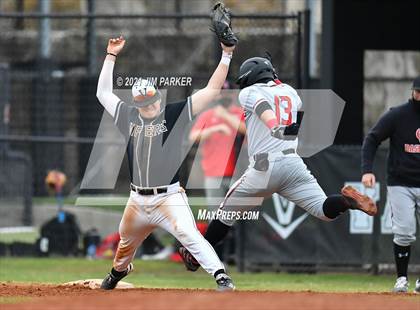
(123, 233)
(404, 240)
(126, 239)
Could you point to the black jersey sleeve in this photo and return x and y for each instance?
(382, 130)
(122, 117)
(179, 113)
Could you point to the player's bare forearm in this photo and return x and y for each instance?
(201, 134)
(219, 76)
(269, 118)
(203, 97)
(204, 134)
(234, 122)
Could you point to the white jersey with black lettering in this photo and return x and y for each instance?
(284, 101)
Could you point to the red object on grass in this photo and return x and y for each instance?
(108, 247)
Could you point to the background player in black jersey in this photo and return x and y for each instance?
(401, 124)
(154, 132)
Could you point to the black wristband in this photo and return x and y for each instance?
(111, 54)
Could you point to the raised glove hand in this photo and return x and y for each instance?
(221, 25)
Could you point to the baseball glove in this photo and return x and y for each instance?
(220, 19)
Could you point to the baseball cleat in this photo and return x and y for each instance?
(401, 285)
(417, 288)
(224, 283)
(363, 202)
(111, 281)
(189, 261)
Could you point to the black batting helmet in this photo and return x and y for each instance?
(255, 69)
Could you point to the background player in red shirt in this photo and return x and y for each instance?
(216, 127)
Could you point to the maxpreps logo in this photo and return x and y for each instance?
(413, 148)
(284, 209)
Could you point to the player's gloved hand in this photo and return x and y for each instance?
(221, 25)
(277, 132)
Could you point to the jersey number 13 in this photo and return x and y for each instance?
(283, 110)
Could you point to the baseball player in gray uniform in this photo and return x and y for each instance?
(273, 116)
(401, 124)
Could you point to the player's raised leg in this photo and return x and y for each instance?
(134, 228)
(289, 177)
(296, 183)
(175, 216)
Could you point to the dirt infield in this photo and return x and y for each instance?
(57, 297)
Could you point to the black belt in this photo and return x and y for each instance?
(261, 160)
(148, 191)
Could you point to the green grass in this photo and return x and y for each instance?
(29, 237)
(162, 274)
(50, 200)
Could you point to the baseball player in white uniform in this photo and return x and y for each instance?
(153, 130)
(273, 116)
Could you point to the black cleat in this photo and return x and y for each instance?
(189, 261)
(111, 281)
(224, 283)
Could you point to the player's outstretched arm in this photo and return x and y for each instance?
(204, 96)
(104, 91)
(231, 119)
(221, 26)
